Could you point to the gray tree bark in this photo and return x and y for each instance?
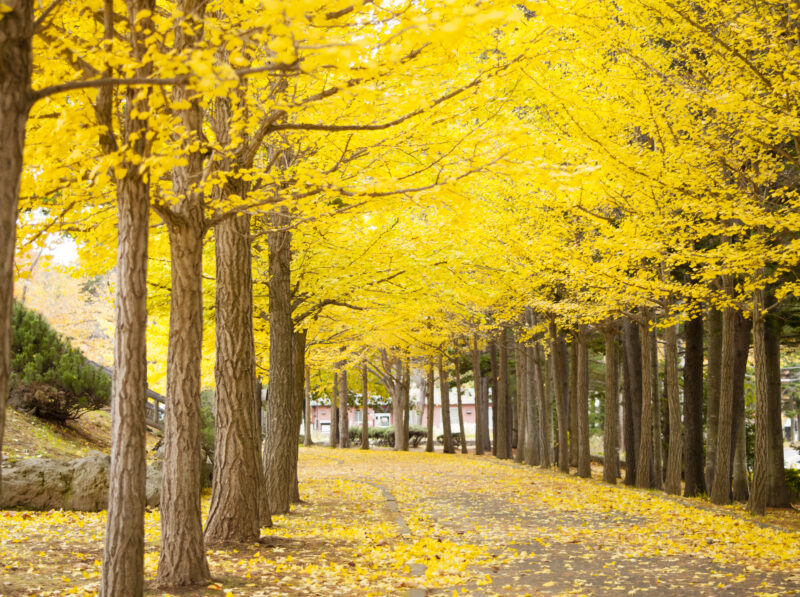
(308, 414)
(495, 389)
(238, 481)
(16, 66)
(280, 432)
(611, 414)
(632, 394)
(721, 487)
(713, 393)
(430, 407)
(533, 444)
(582, 404)
(344, 415)
(675, 456)
(545, 408)
(572, 408)
(644, 461)
(559, 375)
(364, 407)
(522, 403)
(480, 439)
(693, 408)
(461, 433)
(503, 432)
(298, 384)
(444, 389)
(333, 438)
(777, 491)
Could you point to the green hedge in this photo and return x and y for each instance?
(384, 436)
(50, 378)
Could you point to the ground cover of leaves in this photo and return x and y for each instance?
(462, 524)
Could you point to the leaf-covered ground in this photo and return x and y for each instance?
(382, 523)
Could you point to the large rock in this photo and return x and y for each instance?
(46, 484)
(82, 484)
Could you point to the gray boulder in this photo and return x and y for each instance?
(47, 484)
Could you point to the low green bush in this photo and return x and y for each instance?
(50, 378)
(384, 436)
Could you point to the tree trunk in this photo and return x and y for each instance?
(721, 487)
(406, 403)
(572, 408)
(632, 392)
(582, 404)
(479, 414)
(487, 443)
(280, 433)
(713, 392)
(444, 390)
(611, 411)
(758, 497)
(364, 407)
(430, 407)
(123, 555)
(741, 489)
(502, 398)
(644, 461)
(344, 415)
(462, 434)
(298, 383)
(308, 411)
(495, 389)
(657, 472)
(533, 438)
(559, 366)
(182, 559)
(234, 510)
(333, 436)
(777, 491)
(16, 64)
(522, 403)
(545, 408)
(674, 461)
(693, 408)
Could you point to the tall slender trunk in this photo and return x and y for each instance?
(674, 461)
(182, 559)
(758, 497)
(479, 413)
(582, 404)
(406, 403)
(461, 433)
(502, 398)
(572, 401)
(344, 418)
(632, 392)
(741, 486)
(559, 366)
(713, 392)
(298, 384)
(740, 489)
(533, 439)
(307, 414)
(16, 65)
(611, 410)
(364, 407)
(123, 555)
(333, 435)
(657, 472)
(444, 390)
(280, 438)
(522, 403)
(495, 389)
(721, 487)
(545, 408)
(693, 407)
(777, 491)
(430, 407)
(487, 442)
(644, 461)
(237, 481)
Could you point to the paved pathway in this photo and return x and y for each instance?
(542, 533)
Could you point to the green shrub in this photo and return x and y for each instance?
(792, 476)
(50, 378)
(384, 436)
